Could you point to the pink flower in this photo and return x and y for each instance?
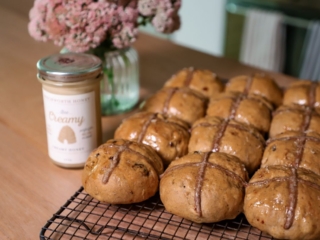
(126, 36)
(148, 7)
(166, 19)
(76, 24)
(36, 25)
(125, 32)
(88, 28)
(127, 14)
(80, 25)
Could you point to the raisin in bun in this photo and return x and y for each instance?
(299, 92)
(122, 172)
(237, 139)
(284, 202)
(260, 84)
(201, 80)
(295, 118)
(168, 136)
(248, 109)
(204, 187)
(183, 103)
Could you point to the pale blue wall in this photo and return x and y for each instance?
(202, 26)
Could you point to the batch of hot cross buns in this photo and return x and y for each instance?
(214, 150)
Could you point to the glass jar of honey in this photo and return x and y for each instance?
(71, 97)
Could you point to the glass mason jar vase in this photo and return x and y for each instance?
(120, 84)
(119, 88)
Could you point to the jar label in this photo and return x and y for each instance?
(71, 126)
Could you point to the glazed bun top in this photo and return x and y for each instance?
(261, 84)
(303, 92)
(201, 80)
(183, 103)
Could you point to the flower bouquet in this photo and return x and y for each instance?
(104, 28)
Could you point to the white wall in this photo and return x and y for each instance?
(202, 26)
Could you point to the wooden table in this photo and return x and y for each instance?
(31, 187)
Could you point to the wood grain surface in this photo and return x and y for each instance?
(31, 187)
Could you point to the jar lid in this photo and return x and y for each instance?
(69, 67)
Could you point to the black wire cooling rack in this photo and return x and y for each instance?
(83, 217)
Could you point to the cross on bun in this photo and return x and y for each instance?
(204, 187)
(168, 136)
(248, 109)
(238, 139)
(183, 103)
(281, 150)
(292, 118)
(298, 93)
(284, 202)
(201, 80)
(283, 197)
(122, 172)
(262, 85)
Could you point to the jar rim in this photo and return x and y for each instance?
(69, 67)
(69, 84)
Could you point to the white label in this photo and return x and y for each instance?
(71, 126)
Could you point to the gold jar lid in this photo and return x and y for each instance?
(69, 67)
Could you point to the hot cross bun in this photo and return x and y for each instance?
(262, 85)
(183, 103)
(122, 172)
(168, 136)
(201, 80)
(204, 187)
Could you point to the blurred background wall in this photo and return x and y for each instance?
(276, 35)
(202, 26)
(202, 29)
